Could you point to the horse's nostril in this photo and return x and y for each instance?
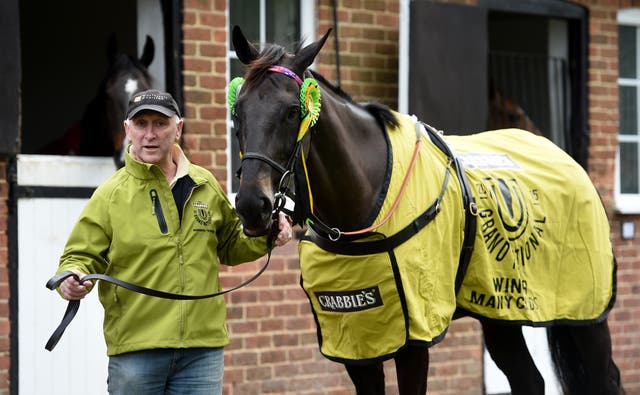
(254, 210)
(266, 204)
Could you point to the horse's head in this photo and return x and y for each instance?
(102, 127)
(504, 113)
(268, 109)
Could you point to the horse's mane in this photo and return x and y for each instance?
(257, 69)
(272, 54)
(379, 111)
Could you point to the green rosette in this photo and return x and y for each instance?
(310, 100)
(232, 93)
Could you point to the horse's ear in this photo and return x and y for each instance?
(246, 52)
(148, 52)
(306, 55)
(112, 48)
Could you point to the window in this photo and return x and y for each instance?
(627, 165)
(263, 21)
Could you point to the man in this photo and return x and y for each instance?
(164, 223)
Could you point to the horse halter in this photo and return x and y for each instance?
(310, 111)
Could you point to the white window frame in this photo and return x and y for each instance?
(627, 203)
(307, 33)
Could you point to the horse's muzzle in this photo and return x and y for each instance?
(254, 211)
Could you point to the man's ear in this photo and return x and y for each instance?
(179, 125)
(127, 125)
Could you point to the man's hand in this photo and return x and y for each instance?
(284, 230)
(71, 289)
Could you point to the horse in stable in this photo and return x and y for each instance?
(100, 132)
(505, 112)
(408, 228)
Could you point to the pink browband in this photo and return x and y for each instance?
(287, 72)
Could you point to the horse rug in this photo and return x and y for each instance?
(541, 255)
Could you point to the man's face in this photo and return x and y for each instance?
(152, 136)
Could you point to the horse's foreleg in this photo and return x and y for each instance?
(367, 378)
(583, 356)
(509, 351)
(412, 366)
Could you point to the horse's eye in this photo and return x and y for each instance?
(292, 113)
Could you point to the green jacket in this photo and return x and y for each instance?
(130, 229)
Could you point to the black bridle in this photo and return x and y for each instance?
(258, 156)
(286, 173)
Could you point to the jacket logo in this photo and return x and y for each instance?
(349, 301)
(201, 213)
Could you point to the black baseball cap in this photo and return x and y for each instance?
(153, 100)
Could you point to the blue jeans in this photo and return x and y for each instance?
(193, 371)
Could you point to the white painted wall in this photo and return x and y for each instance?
(150, 23)
(78, 364)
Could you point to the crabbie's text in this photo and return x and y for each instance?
(349, 301)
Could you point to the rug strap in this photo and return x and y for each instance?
(388, 243)
(469, 204)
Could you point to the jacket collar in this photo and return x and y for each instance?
(182, 164)
(147, 171)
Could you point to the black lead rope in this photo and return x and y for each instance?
(73, 306)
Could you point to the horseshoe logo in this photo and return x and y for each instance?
(511, 205)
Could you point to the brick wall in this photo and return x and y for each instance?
(273, 348)
(205, 135)
(624, 321)
(368, 44)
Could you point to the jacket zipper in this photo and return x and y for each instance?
(157, 211)
(182, 286)
(183, 318)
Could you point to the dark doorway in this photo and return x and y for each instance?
(528, 74)
(448, 66)
(530, 53)
(64, 57)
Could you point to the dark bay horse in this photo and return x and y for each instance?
(100, 131)
(504, 112)
(337, 156)
(102, 128)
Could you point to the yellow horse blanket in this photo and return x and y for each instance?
(541, 255)
(543, 252)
